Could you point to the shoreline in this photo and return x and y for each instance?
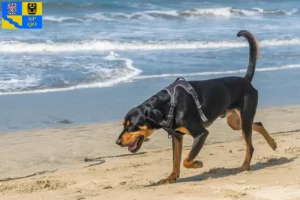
(59, 125)
(98, 105)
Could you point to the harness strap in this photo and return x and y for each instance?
(194, 95)
(171, 111)
(171, 91)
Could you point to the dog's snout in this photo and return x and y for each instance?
(119, 142)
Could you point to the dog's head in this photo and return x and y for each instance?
(138, 125)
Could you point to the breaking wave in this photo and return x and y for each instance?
(218, 73)
(133, 73)
(174, 14)
(93, 4)
(105, 45)
(96, 77)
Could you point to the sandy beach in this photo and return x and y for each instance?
(67, 163)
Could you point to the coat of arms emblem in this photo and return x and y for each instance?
(31, 8)
(11, 8)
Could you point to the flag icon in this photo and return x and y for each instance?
(22, 15)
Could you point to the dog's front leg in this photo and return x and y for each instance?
(177, 150)
(198, 143)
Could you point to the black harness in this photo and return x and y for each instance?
(168, 125)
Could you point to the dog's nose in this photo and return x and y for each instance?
(119, 142)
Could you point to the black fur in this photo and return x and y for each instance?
(216, 96)
(253, 53)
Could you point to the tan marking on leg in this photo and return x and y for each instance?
(249, 152)
(258, 127)
(183, 130)
(177, 150)
(194, 164)
(235, 122)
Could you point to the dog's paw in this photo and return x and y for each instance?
(245, 167)
(193, 164)
(197, 164)
(166, 181)
(273, 144)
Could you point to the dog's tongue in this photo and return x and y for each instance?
(133, 146)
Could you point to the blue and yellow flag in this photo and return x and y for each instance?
(22, 15)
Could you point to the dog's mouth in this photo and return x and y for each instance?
(134, 147)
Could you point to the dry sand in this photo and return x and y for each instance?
(273, 175)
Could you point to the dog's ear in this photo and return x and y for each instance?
(154, 116)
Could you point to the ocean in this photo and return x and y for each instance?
(94, 60)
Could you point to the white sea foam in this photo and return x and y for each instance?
(218, 72)
(19, 83)
(158, 14)
(278, 42)
(61, 19)
(225, 12)
(101, 45)
(134, 75)
(112, 77)
(172, 14)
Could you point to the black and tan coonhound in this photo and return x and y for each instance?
(231, 97)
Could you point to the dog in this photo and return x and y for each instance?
(231, 97)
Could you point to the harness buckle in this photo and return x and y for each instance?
(170, 116)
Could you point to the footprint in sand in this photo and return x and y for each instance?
(292, 150)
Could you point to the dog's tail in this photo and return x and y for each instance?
(254, 53)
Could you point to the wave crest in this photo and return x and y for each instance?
(103, 45)
(134, 75)
(190, 13)
(61, 19)
(218, 73)
(172, 14)
(96, 77)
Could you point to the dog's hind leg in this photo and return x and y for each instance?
(198, 143)
(242, 120)
(247, 135)
(247, 113)
(177, 150)
(234, 121)
(258, 127)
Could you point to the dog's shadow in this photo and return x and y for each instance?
(224, 172)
